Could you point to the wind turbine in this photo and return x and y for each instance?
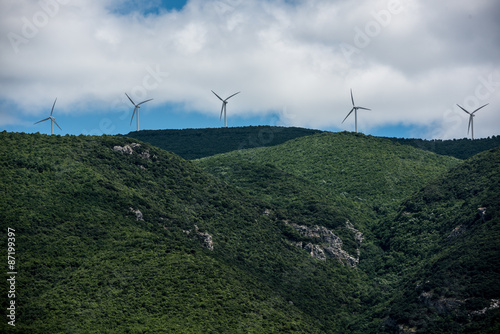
(355, 109)
(223, 109)
(52, 119)
(136, 109)
(471, 118)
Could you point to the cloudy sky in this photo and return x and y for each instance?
(294, 61)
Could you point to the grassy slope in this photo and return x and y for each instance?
(198, 143)
(87, 264)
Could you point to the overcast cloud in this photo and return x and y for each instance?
(409, 61)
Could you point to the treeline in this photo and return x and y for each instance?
(458, 148)
(198, 143)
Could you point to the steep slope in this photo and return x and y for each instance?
(446, 239)
(198, 143)
(115, 235)
(364, 168)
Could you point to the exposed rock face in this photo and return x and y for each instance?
(441, 305)
(138, 214)
(124, 149)
(204, 237)
(482, 214)
(129, 149)
(494, 304)
(457, 231)
(329, 244)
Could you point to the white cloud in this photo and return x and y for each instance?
(410, 61)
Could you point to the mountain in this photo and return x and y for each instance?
(198, 143)
(433, 256)
(113, 234)
(327, 233)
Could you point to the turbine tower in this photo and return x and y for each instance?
(471, 119)
(136, 109)
(52, 119)
(223, 109)
(355, 109)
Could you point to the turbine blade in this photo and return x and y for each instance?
(53, 107)
(350, 112)
(362, 108)
(232, 96)
(221, 110)
(43, 120)
(130, 99)
(57, 124)
(463, 109)
(218, 96)
(480, 108)
(470, 122)
(144, 102)
(352, 98)
(133, 115)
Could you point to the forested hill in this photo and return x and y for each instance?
(198, 143)
(327, 233)
(353, 165)
(115, 235)
(458, 148)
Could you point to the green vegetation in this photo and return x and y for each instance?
(458, 148)
(118, 239)
(448, 233)
(199, 143)
(355, 166)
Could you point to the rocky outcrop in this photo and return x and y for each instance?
(123, 149)
(440, 305)
(129, 149)
(494, 304)
(328, 246)
(138, 214)
(457, 231)
(204, 237)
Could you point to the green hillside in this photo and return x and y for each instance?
(362, 168)
(449, 232)
(109, 241)
(198, 143)
(327, 233)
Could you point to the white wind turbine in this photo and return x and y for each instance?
(355, 109)
(136, 109)
(52, 119)
(223, 109)
(471, 119)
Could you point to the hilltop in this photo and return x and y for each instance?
(355, 166)
(198, 143)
